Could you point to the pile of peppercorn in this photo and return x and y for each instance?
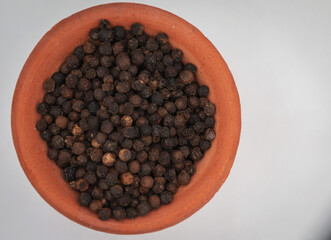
(126, 120)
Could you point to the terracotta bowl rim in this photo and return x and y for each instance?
(236, 118)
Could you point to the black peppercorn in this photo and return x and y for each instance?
(166, 197)
(119, 213)
(143, 208)
(104, 214)
(116, 191)
(84, 199)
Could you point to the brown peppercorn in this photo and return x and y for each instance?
(66, 92)
(166, 197)
(81, 160)
(177, 156)
(193, 102)
(158, 187)
(145, 169)
(116, 191)
(161, 38)
(126, 121)
(162, 112)
(64, 68)
(209, 134)
(124, 155)
(138, 145)
(101, 137)
(48, 118)
(104, 214)
(204, 145)
(147, 181)
(71, 81)
(126, 178)
(82, 185)
(191, 67)
(42, 108)
(84, 84)
(154, 201)
(58, 142)
(95, 206)
(134, 167)
(135, 100)
(84, 199)
(97, 193)
(130, 132)
(89, 47)
(52, 154)
(121, 166)
(118, 213)
(78, 148)
(90, 177)
(63, 158)
(203, 91)
(186, 77)
(123, 87)
(179, 121)
(143, 208)
(161, 180)
(102, 171)
(108, 159)
(96, 155)
(199, 127)
(196, 154)
(49, 85)
(123, 61)
(77, 131)
(111, 178)
(124, 76)
(209, 109)
(189, 167)
(172, 187)
(154, 154)
(141, 156)
(136, 29)
(181, 103)
(159, 170)
(127, 143)
(165, 158)
(41, 125)
(106, 127)
(80, 173)
(131, 213)
(184, 178)
(72, 61)
(195, 140)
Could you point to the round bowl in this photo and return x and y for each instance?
(46, 58)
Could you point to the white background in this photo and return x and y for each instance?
(280, 184)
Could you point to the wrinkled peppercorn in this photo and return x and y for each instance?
(84, 199)
(95, 206)
(143, 208)
(147, 181)
(166, 197)
(184, 178)
(127, 178)
(104, 214)
(134, 167)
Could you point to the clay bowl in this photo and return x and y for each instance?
(46, 58)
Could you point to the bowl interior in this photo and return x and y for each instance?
(46, 58)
